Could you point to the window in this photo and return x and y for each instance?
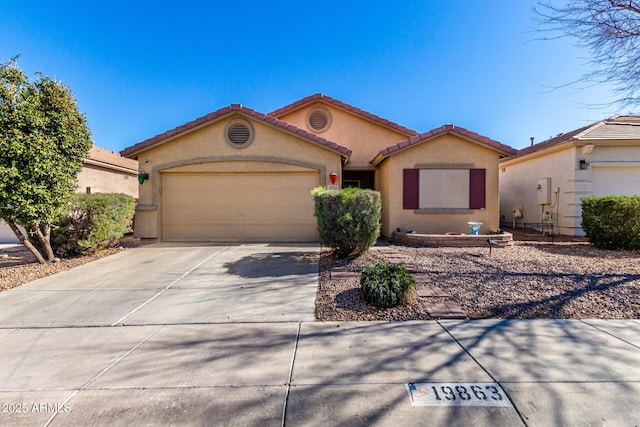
(318, 119)
(239, 133)
(444, 189)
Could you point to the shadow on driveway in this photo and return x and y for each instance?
(274, 264)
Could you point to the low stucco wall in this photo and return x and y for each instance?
(445, 240)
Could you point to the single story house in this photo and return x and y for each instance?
(545, 183)
(103, 171)
(240, 175)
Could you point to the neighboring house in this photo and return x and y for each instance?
(103, 171)
(107, 172)
(545, 183)
(240, 175)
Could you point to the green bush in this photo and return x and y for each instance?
(387, 285)
(92, 222)
(348, 219)
(612, 222)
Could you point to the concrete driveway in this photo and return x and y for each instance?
(170, 284)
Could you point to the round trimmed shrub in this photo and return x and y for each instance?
(348, 219)
(387, 285)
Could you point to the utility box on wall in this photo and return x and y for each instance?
(544, 191)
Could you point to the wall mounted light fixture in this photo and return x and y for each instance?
(142, 177)
(333, 177)
(583, 164)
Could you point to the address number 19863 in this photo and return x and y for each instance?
(457, 394)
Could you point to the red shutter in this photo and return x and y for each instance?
(410, 189)
(477, 189)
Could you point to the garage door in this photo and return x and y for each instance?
(616, 181)
(239, 206)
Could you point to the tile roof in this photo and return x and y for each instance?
(614, 130)
(344, 106)
(234, 108)
(559, 139)
(107, 158)
(448, 128)
(616, 127)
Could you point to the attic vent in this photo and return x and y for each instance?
(239, 133)
(318, 119)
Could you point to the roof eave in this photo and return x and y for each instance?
(538, 153)
(137, 149)
(365, 115)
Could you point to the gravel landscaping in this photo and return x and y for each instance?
(529, 280)
(18, 266)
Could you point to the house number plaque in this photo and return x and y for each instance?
(457, 394)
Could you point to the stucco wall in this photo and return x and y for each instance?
(107, 181)
(207, 150)
(364, 137)
(518, 183)
(446, 151)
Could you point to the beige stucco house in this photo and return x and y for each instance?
(545, 183)
(103, 171)
(240, 175)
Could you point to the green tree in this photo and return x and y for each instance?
(43, 138)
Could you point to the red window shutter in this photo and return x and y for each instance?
(477, 189)
(410, 189)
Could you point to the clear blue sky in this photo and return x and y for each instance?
(140, 68)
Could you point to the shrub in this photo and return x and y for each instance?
(348, 219)
(387, 285)
(92, 222)
(612, 222)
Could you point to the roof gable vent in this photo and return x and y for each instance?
(318, 119)
(239, 133)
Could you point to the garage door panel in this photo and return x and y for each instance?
(618, 181)
(239, 206)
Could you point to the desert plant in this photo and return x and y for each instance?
(348, 219)
(387, 285)
(612, 222)
(92, 222)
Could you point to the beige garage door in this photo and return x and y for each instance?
(239, 207)
(616, 181)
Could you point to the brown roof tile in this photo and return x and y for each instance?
(110, 158)
(559, 139)
(616, 127)
(448, 128)
(344, 106)
(233, 108)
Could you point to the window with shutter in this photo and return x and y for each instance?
(444, 189)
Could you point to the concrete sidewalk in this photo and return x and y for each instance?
(310, 373)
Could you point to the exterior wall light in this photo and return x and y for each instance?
(333, 177)
(583, 164)
(142, 177)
